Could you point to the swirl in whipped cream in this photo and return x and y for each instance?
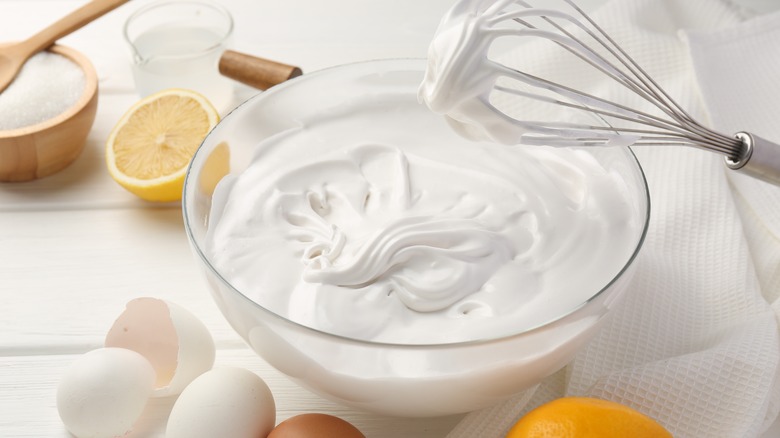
(354, 223)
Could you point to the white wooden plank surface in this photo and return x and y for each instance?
(75, 247)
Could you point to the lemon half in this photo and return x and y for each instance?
(149, 149)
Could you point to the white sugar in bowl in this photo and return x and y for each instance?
(44, 123)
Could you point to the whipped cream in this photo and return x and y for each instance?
(460, 76)
(374, 220)
(484, 95)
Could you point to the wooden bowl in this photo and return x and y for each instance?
(45, 148)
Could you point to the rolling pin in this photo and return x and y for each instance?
(254, 71)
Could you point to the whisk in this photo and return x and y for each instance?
(485, 97)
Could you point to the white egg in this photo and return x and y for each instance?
(104, 392)
(224, 402)
(178, 345)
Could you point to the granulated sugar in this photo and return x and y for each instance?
(47, 85)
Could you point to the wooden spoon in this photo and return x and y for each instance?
(13, 56)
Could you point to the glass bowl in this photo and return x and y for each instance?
(410, 380)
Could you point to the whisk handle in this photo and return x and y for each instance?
(760, 158)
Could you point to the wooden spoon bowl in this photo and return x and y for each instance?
(45, 148)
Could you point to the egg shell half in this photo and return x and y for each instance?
(176, 343)
(315, 426)
(224, 402)
(104, 392)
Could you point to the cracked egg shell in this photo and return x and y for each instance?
(173, 340)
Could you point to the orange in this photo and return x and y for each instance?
(584, 417)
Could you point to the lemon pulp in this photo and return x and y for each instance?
(151, 146)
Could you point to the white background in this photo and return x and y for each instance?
(75, 247)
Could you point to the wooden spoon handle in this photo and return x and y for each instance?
(69, 23)
(255, 72)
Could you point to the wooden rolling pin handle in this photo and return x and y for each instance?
(255, 72)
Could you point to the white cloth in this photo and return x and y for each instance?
(695, 342)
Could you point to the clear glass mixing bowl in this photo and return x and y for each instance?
(392, 379)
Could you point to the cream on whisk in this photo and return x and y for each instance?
(484, 98)
(377, 222)
(461, 77)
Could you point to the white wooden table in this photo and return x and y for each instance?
(75, 247)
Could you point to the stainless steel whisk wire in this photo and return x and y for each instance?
(743, 151)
